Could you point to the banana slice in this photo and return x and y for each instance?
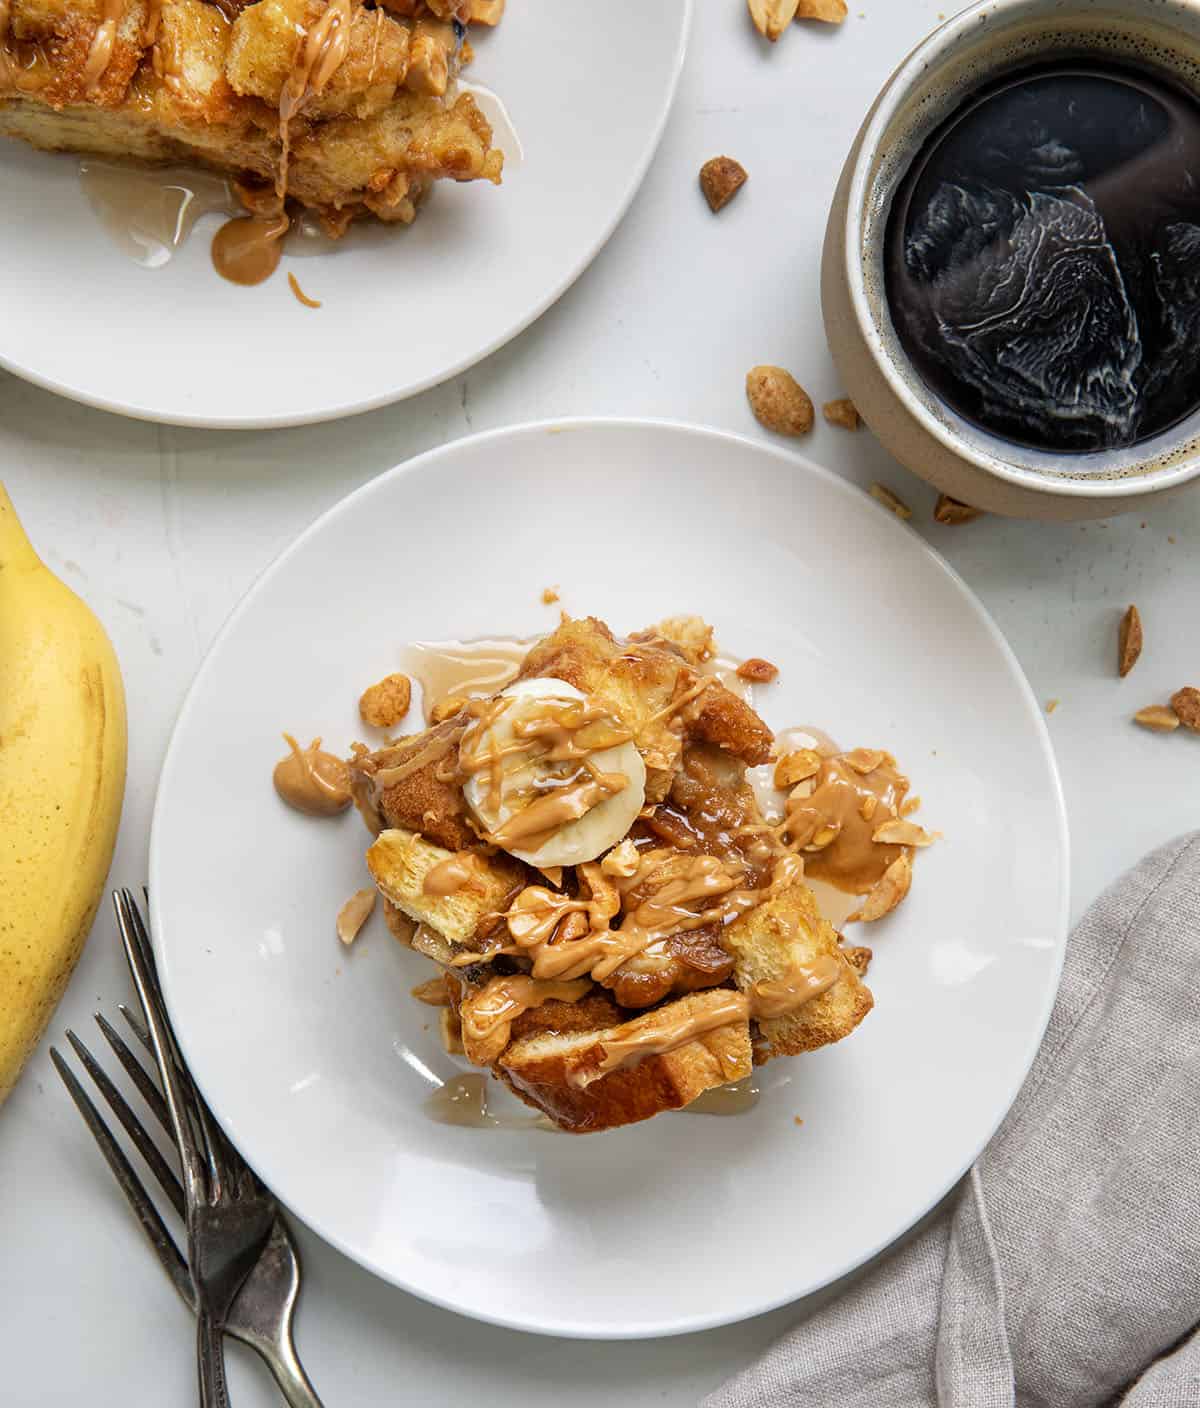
(545, 809)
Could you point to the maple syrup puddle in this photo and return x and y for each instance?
(463, 1101)
(150, 212)
(737, 1098)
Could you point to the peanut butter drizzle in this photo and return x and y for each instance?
(853, 805)
(312, 781)
(294, 283)
(247, 249)
(432, 752)
(451, 875)
(487, 1015)
(669, 711)
(665, 1030)
(536, 913)
(101, 51)
(320, 52)
(457, 669)
(533, 825)
(554, 731)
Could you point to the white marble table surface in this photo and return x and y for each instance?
(162, 530)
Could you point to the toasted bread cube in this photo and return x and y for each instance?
(538, 1067)
(773, 936)
(639, 682)
(192, 46)
(64, 33)
(264, 45)
(420, 801)
(692, 636)
(414, 134)
(267, 38)
(399, 862)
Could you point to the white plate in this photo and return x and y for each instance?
(317, 1061)
(588, 86)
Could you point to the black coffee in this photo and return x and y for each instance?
(1043, 258)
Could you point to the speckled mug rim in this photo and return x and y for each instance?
(988, 39)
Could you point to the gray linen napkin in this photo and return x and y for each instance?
(1066, 1274)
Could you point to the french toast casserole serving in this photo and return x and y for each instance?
(606, 860)
(346, 107)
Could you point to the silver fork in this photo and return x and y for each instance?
(261, 1310)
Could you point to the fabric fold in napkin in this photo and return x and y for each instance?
(1066, 1273)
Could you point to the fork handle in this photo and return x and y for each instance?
(210, 1357)
(289, 1374)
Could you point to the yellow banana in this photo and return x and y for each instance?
(62, 780)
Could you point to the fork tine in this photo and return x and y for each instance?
(150, 1093)
(139, 1029)
(209, 1139)
(176, 1093)
(145, 1211)
(144, 1037)
(129, 1122)
(136, 1131)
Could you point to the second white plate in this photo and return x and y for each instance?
(588, 87)
(317, 1061)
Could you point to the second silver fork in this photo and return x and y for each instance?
(228, 1212)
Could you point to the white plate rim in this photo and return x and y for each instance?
(637, 174)
(695, 1323)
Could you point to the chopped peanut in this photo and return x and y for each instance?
(383, 705)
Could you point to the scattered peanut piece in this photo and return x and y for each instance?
(954, 511)
(446, 708)
(1129, 641)
(883, 495)
(778, 401)
(383, 705)
(434, 991)
(721, 178)
(1157, 717)
(889, 890)
(622, 860)
(796, 767)
(864, 760)
(829, 11)
(549, 596)
(842, 412)
(909, 805)
(354, 914)
(903, 833)
(757, 671)
(772, 17)
(1052, 704)
(1186, 703)
(824, 837)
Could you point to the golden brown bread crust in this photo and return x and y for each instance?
(421, 801)
(554, 1055)
(400, 860)
(537, 1068)
(789, 929)
(202, 90)
(640, 681)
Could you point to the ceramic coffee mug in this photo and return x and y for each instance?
(982, 45)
